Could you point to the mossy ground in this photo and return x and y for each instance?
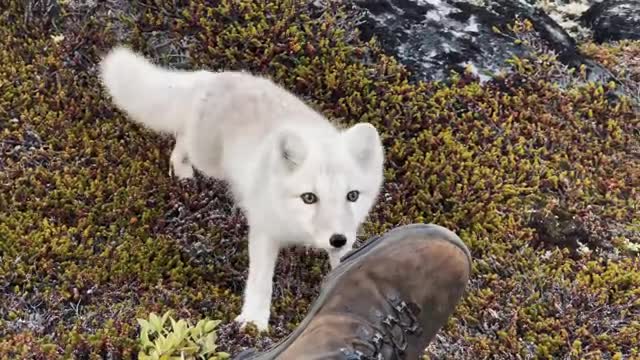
(540, 181)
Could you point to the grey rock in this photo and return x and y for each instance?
(433, 37)
(613, 20)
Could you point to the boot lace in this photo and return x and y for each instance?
(392, 333)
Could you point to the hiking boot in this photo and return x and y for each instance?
(386, 300)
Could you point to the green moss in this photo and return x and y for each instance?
(622, 59)
(94, 234)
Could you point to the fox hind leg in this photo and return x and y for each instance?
(180, 165)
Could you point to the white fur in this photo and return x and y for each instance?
(268, 145)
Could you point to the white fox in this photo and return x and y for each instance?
(298, 178)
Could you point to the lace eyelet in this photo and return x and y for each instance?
(406, 321)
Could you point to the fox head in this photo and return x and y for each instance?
(326, 184)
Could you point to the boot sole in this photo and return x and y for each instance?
(426, 231)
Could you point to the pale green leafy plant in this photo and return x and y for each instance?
(179, 340)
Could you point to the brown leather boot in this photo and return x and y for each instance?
(386, 300)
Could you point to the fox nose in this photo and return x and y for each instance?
(337, 240)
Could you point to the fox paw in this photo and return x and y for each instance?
(243, 320)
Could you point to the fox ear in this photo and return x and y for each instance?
(290, 150)
(363, 141)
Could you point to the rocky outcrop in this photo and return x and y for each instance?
(432, 37)
(613, 20)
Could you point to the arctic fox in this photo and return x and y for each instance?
(298, 178)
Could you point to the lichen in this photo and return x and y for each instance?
(94, 234)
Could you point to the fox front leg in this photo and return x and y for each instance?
(256, 309)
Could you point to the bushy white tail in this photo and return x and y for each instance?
(159, 98)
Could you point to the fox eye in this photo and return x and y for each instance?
(353, 195)
(309, 198)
